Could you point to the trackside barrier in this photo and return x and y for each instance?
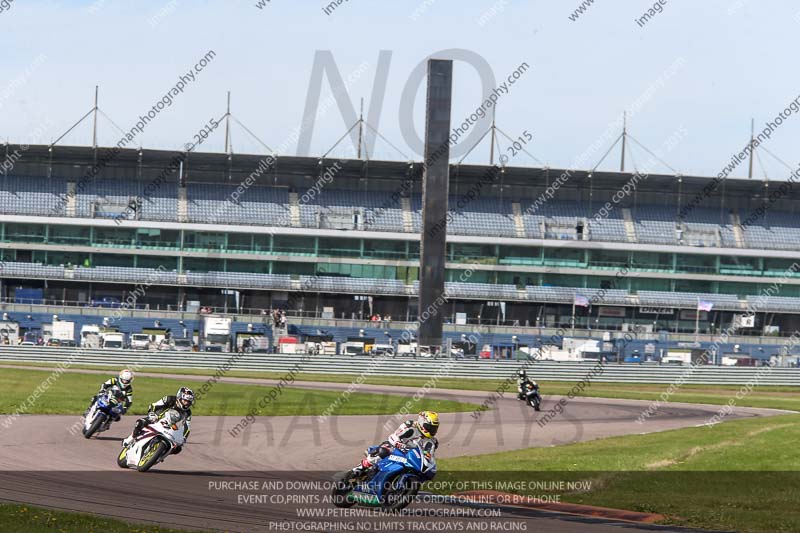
(403, 366)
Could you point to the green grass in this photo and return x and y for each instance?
(70, 394)
(742, 475)
(26, 519)
(776, 397)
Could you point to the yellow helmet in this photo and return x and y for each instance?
(428, 423)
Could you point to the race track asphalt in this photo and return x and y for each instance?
(292, 458)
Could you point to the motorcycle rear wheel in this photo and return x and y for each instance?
(151, 455)
(342, 487)
(397, 498)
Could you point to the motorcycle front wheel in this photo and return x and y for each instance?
(536, 404)
(151, 455)
(96, 423)
(122, 458)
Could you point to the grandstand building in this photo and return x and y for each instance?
(315, 235)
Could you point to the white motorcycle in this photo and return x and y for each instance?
(155, 442)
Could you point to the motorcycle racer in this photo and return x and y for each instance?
(124, 382)
(424, 427)
(181, 402)
(522, 385)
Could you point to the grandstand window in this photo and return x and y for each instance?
(339, 247)
(204, 240)
(694, 285)
(608, 258)
(520, 255)
(203, 264)
(562, 280)
(114, 260)
(168, 262)
(786, 290)
(650, 284)
(564, 257)
(237, 265)
(63, 258)
(240, 242)
(75, 235)
(735, 288)
(292, 244)
(302, 269)
(478, 276)
(262, 243)
(114, 236)
(362, 271)
(774, 266)
(696, 263)
(408, 275)
(736, 263)
(385, 249)
(652, 261)
(157, 238)
(470, 253)
(25, 233)
(510, 278)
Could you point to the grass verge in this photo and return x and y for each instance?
(70, 394)
(743, 475)
(775, 397)
(27, 519)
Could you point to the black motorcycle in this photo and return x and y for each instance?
(530, 394)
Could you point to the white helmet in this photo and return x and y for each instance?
(125, 377)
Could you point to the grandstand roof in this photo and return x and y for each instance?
(75, 161)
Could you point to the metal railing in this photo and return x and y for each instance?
(421, 367)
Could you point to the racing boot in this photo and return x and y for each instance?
(365, 468)
(136, 430)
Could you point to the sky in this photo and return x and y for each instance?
(691, 77)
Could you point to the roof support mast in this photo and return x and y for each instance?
(752, 149)
(494, 134)
(94, 126)
(360, 128)
(228, 124)
(624, 138)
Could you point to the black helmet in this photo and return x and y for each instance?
(523, 374)
(184, 399)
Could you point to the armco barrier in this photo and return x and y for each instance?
(406, 366)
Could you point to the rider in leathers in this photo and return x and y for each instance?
(124, 382)
(181, 402)
(424, 427)
(522, 385)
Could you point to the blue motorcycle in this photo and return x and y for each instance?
(392, 484)
(108, 406)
